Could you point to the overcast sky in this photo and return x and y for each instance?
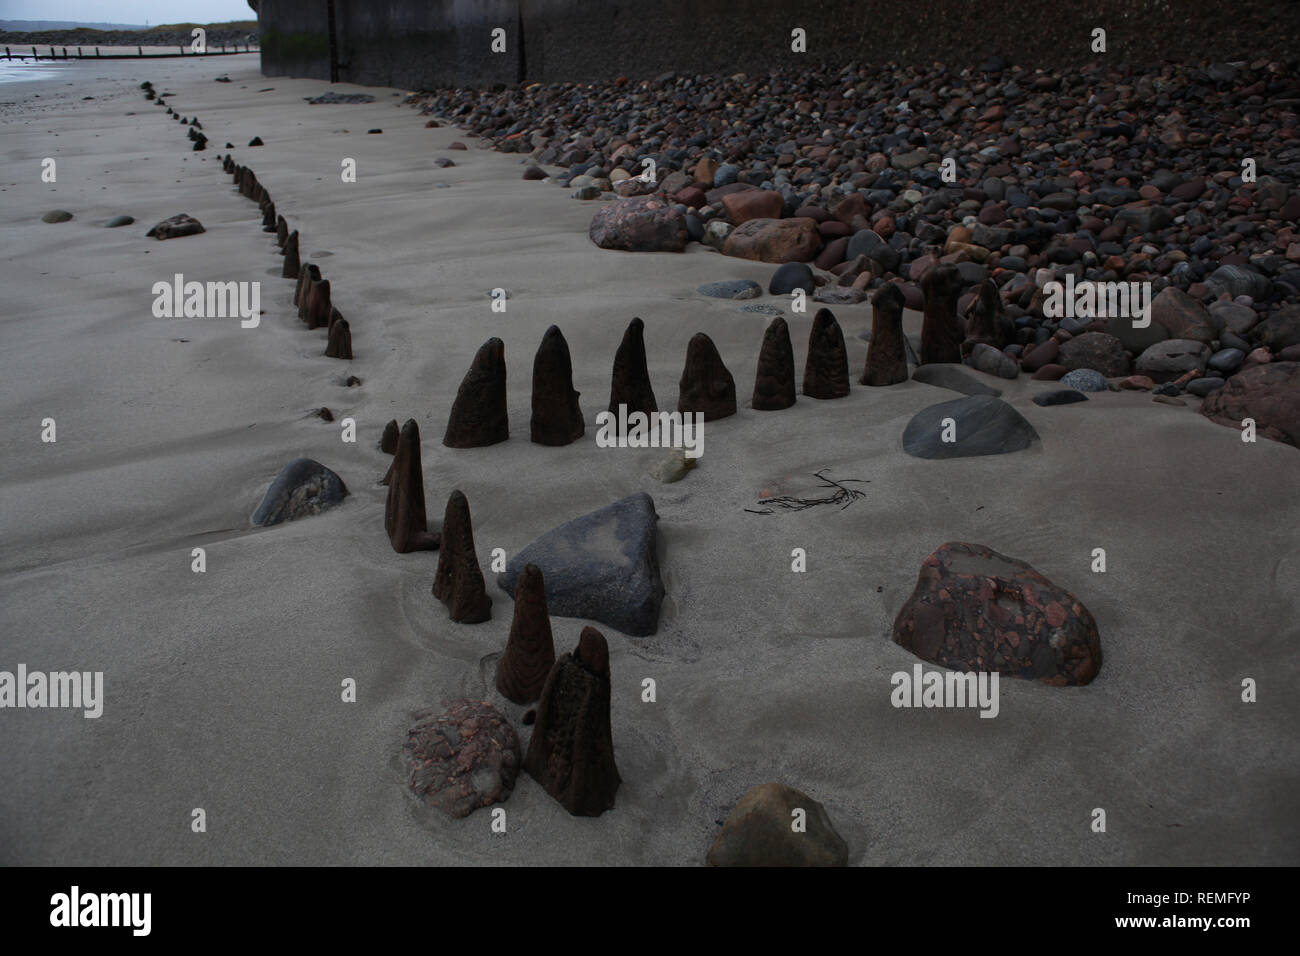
(128, 11)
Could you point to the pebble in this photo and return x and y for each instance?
(332, 97)
(1061, 396)
(179, 225)
(791, 276)
(1226, 360)
(56, 215)
(757, 832)
(1084, 380)
(731, 289)
(840, 295)
(992, 361)
(726, 175)
(674, 467)
(119, 221)
(1201, 387)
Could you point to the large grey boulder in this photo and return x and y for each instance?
(602, 566)
(980, 425)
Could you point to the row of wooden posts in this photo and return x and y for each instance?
(248, 48)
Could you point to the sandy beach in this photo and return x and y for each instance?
(222, 689)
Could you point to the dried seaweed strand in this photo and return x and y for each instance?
(841, 496)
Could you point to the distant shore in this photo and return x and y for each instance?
(171, 35)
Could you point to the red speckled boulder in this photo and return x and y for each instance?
(974, 609)
(465, 758)
(640, 224)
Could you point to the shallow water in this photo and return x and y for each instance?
(19, 71)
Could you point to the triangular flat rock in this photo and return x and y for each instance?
(304, 487)
(602, 566)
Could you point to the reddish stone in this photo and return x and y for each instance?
(1270, 394)
(814, 212)
(640, 224)
(990, 598)
(957, 236)
(1183, 316)
(1040, 355)
(917, 268)
(753, 204)
(463, 759)
(774, 240)
(833, 254)
(1137, 383)
(1049, 373)
(691, 196)
(850, 206)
